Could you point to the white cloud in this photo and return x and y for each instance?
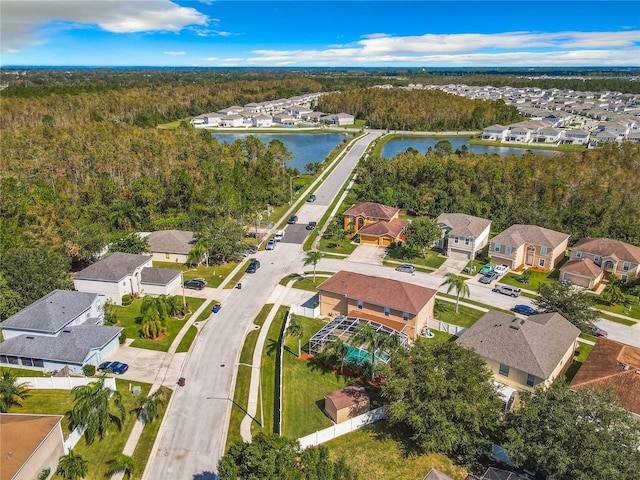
(175, 53)
(24, 23)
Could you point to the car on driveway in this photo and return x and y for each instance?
(292, 219)
(312, 198)
(195, 284)
(488, 277)
(524, 310)
(488, 268)
(596, 331)
(501, 269)
(253, 266)
(271, 244)
(119, 367)
(104, 366)
(311, 225)
(406, 267)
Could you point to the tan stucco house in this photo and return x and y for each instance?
(171, 245)
(523, 353)
(463, 234)
(374, 223)
(594, 259)
(528, 246)
(403, 306)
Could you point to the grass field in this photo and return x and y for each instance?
(631, 310)
(24, 372)
(466, 316)
(584, 350)
(343, 246)
(187, 340)
(432, 258)
(213, 275)
(378, 452)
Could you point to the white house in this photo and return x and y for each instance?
(494, 132)
(576, 137)
(343, 119)
(63, 328)
(463, 234)
(262, 121)
(232, 121)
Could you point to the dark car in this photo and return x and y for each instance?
(311, 225)
(292, 219)
(253, 266)
(488, 277)
(182, 381)
(119, 367)
(596, 331)
(524, 310)
(194, 284)
(312, 198)
(104, 366)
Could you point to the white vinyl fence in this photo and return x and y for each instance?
(456, 330)
(63, 383)
(73, 438)
(342, 428)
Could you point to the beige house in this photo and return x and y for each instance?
(523, 353)
(463, 234)
(522, 246)
(347, 403)
(374, 223)
(171, 245)
(403, 306)
(594, 259)
(29, 444)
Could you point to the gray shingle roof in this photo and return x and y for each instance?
(52, 312)
(517, 235)
(72, 345)
(463, 225)
(113, 267)
(171, 241)
(157, 276)
(535, 345)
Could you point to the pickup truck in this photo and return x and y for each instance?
(279, 235)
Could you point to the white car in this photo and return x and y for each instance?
(279, 235)
(501, 269)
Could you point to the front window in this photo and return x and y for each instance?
(626, 266)
(496, 247)
(541, 262)
(578, 254)
(467, 241)
(360, 304)
(504, 370)
(507, 250)
(531, 380)
(456, 239)
(543, 250)
(387, 311)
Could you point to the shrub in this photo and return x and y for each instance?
(123, 338)
(88, 370)
(126, 300)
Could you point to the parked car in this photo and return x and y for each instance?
(488, 268)
(524, 310)
(311, 225)
(508, 290)
(488, 277)
(279, 235)
(119, 367)
(104, 366)
(292, 219)
(312, 198)
(253, 266)
(501, 269)
(182, 381)
(271, 244)
(595, 330)
(195, 284)
(406, 267)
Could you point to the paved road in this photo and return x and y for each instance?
(621, 333)
(193, 434)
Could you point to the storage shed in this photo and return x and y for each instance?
(346, 403)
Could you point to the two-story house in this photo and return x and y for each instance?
(523, 353)
(528, 246)
(463, 234)
(495, 132)
(374, 223)
(405, 307)
(594, 259)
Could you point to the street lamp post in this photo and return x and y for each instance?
(259, 390)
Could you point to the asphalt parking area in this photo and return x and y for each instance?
(296, 233)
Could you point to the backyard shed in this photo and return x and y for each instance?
(346, 403)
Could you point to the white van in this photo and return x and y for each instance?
(279, 235)
(507, 290)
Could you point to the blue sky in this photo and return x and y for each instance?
(314, 33)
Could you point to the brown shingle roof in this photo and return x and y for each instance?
(405, 297)
(171, 241)
(379, 229)
(535, 345)
(517, 235)
(582, 266)
(606, 247)
(605, 368)
(347, 397)
(371, 209)
(463, 225)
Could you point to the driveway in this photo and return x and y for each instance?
(453, 264)
(371, 254)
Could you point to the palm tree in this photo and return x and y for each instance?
(295, 329)
(313, 258)
(152, 327)
(175, 306)
(338, 350)
(458, 283)
(92, 409)
(121, 463)
(155, 311)
(199, 251)
(149, 406)
(72, 466)
(11, 392)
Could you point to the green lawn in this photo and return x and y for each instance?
(466, 316)
(206, 311)
(25, 372)
(622, 321)
(443, 336)
(584, 349)
(378, 452)
(129, 318)
(632, 310)
(187, 340)
(432, 258)
(213, 275)
(535, 279)
(473, 302)
(308, 284)
(344, 246)
(305, 386)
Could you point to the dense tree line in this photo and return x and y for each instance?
(418, 110)
(593, 193)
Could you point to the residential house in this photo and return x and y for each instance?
(619, 129)
(232, 121)
(339, 119)
(519, 133)
(603, 137)
(463, 234)
(346, 403)
(171, 245)
(284, 119)
(230, 111)
(612, 366)
(206, 120)
(594, 259)
(63, 328)
(376, 224)
(29, 444)
(435, 474)
(523, 353)
(121, 273)
(262, 121)
(495, 132)
(576, 137)
(405, 307)
(548, 135)
(528, 245)
(298, 111)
